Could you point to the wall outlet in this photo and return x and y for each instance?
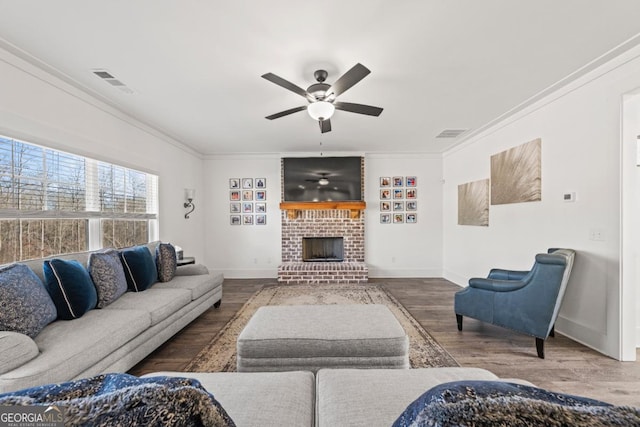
(596, 234)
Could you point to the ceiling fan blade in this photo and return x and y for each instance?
(286, 112)
(286, 84)
(358, 108)
(325, 125)
(348, 79)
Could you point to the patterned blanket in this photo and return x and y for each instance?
(125, 400)
(495, 403)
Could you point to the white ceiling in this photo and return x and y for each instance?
(194, 66)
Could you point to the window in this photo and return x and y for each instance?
(53, 202)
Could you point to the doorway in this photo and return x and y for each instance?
(630, 230)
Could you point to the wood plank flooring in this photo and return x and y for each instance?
(568, 367)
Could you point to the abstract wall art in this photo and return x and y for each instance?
(473, 203)
(516, 174)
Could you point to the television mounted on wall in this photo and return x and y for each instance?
(322, 179)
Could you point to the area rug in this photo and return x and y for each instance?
(220, 354)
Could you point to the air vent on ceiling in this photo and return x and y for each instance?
(109, 78)
(451, 133)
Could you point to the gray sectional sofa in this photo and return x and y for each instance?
(333, 398)
(109, 339)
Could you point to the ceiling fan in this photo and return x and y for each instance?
(322, 96)
(323, 180)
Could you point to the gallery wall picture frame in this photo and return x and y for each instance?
(235, 220)
(247, 182)
(234, 183)
(261, 194)
(260, 207)
(247, 207)
(235, 207)
(403, 204)
(261, 182)
(234, 195)
(247, 219)
(247, 195)
(261, 220)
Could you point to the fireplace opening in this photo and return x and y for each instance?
(322, 249)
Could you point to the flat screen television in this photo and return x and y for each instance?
(322, 179)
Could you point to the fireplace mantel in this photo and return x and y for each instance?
(292, 208)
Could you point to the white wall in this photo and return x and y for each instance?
(580, 127)
(404, 250)
(392, 250)
(242, 251)
(39, 108)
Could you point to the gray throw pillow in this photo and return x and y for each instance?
(108, 276)
(166, 261)
(25, 304)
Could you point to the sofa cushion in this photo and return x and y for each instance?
(125, 400)
(501, 403)
(345, 396)
(25, 305)
(139, 268)
(15, 350)
(70, 287)
(198, 285)
(166, 261)
(159, 303)
(105, 269)
(250, 398)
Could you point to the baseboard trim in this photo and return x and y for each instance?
(381, 273)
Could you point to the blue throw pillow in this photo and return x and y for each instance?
(166, 261)
(105, 269)
(139, 268)
(25, 305)
(488, 403)
(70, 287)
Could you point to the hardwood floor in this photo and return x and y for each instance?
(568, 367)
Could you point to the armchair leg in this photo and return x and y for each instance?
(553, 331)
(540, 347)
(459, 321)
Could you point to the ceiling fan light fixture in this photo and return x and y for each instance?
(323, 181)
(321, 110)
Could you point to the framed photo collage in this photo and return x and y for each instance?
(398, 200)
(248, 201)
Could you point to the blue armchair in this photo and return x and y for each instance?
(524, 301)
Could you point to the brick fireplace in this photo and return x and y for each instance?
(302, 223)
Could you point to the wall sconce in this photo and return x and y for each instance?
(190, 193)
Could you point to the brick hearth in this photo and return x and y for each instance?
(323, 223)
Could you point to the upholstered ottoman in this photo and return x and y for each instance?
(311, 337)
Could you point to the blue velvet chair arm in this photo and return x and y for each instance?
(496, 285)
(500, 274)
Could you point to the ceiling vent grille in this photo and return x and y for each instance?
(110, 78)
(451, 133)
